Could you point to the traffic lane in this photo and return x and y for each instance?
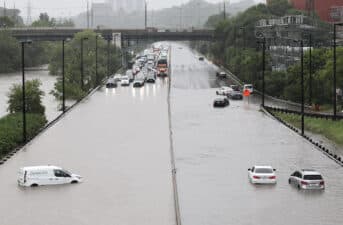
(215, 147)
(118, 140)
(187, 71)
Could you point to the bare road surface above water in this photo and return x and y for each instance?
(118, 140)
(215, 147)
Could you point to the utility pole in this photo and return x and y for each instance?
(5, 13)
(146, 15)
(87, 14)
(224, 10)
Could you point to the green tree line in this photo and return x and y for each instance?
(11, 126)
(240, 52)
(73, 64)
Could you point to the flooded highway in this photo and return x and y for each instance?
(118, 140)
(215, 147)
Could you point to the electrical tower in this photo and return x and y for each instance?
(29, 11)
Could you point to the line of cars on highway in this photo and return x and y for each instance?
(233, 92)
(148, 65)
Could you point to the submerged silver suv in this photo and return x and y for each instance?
(307, 179)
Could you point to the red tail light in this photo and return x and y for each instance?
(256, 177)
(304, 183)
(322, 183)
(272, 177)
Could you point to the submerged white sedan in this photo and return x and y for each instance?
(262, 175)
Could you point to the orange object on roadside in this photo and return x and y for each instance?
(246, 93)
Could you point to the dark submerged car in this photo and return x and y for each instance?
(221, 102)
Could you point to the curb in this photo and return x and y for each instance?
(318, 146)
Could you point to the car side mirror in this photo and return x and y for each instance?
(274, 170)
(249, 169)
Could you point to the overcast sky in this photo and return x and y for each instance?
(68, 8)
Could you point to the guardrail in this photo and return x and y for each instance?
(336, 158)
(307, 114)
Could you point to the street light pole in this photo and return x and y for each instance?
(264, 42)
(96, 61)
(63, 79)
(23, 88)
(310, 71)
(82, 75)
(302, 89)
(108, 57)
(263, 69)
(335, 70)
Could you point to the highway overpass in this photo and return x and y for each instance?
(57, 34)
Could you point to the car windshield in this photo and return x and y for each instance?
(263, 170)
(313, 177)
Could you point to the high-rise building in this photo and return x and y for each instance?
(128, 6)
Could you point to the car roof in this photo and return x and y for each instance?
(309, 172)
(30, 168)
(263, 167)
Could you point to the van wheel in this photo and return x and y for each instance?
(74, 182)
(34, 185)
(289, 181)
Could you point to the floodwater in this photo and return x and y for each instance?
(48, 82)
(215, 147)
(118, 140)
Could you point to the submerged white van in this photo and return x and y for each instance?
(45, 175)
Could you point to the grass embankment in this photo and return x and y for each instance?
(11, 130)
(332, 130)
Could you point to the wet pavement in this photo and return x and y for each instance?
(118, 140)
(215, 147)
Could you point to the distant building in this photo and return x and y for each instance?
(327, 10)
(127, 6)
(101, 15)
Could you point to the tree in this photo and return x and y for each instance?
(73, 61)
(9, 53)
(44, 21)
(33, 98)
(5, 21)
